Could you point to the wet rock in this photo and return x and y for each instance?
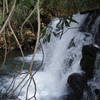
(92, 25)
(5, 96)
(88, 60)
(77, 83)
(97, 92)
(97, 37)
(87, 25)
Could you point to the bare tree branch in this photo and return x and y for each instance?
(38, 37)
(8, 18)
(28, 17)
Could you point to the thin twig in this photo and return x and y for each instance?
(28, 87)
(34, 96)
(7, 6)
(19, 83)
(42, 59)
(8, 89)
(17, 43)
(5, 55)
(28, 17)
(14, 78)
(38, 37)
(8, 18)
(23, 86)
(31, 26)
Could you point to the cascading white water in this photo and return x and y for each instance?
(62, 57)
(51, 81)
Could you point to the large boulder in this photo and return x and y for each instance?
(88, 60)
(78, 86)
(77, 83)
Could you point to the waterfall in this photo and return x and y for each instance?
(62, 57)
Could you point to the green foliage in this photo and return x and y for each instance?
(1, 20)
(47, 38)
(70, 19)
(43, 31)
(27, 3)
(60, 27)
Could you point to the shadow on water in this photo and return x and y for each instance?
(13, 64)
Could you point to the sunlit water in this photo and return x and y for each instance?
(62, 57)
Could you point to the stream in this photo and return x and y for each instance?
(62, 58)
